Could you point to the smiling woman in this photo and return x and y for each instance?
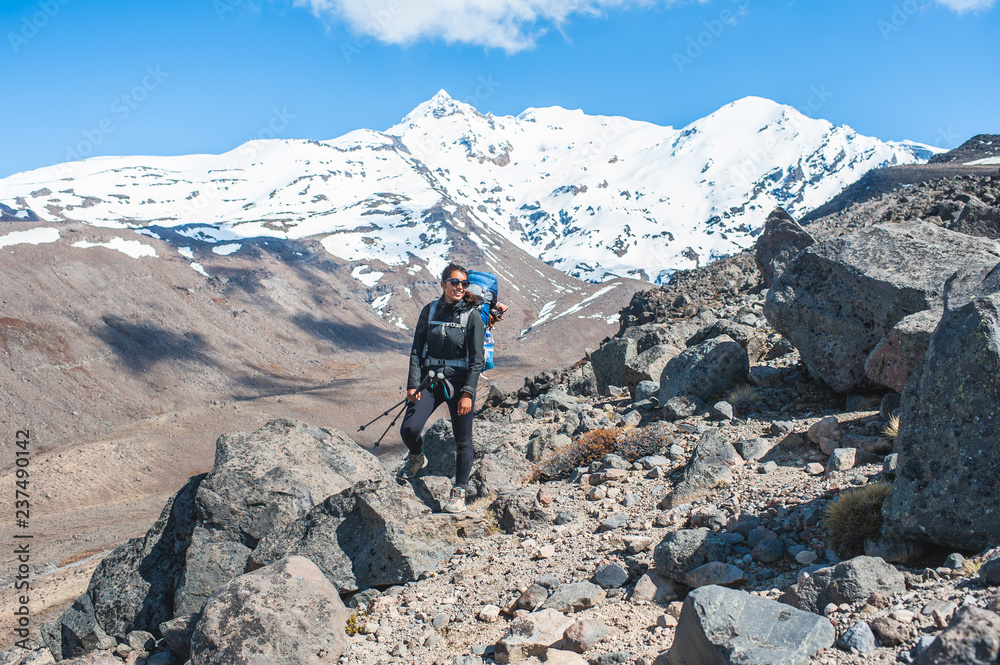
(445, 362)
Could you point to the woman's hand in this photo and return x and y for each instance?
(412, 396)
(464, 404)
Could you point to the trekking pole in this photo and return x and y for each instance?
(377, 443)
(428, 382)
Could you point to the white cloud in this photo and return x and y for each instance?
(962, 6)
(512, 25)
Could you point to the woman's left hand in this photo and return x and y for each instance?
(464, 404)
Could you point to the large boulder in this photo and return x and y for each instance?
(949, 460)
(261, 482)
(609, 362)
(683, 550)
(720, 626)
(372, 534)
(838, 298)
(978, 219)
(648, 365)
(971, 638)
(780, 241)
(705, 371)
(893, 360)
(849, 582)
(752, 339)
(710, 466)
(502, 470)
(285, 614)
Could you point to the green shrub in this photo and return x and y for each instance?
(744, 398)
(854, 516)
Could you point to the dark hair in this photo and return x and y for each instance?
(469, 298)
(452, 267)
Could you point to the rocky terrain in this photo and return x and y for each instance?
(779, 458)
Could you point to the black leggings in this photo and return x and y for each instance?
(461, 426)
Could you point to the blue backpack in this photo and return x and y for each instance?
(488, 292)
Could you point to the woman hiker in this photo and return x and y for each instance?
(448, 339)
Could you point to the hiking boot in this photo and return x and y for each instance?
(456, 504)
(413, 464)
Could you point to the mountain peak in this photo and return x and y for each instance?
(439, 106)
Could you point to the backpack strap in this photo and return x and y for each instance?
(463, 322)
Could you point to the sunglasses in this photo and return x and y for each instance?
(455, 282)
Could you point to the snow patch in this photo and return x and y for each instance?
(34, 236)
(366, 275)
(226, 250)
(132, 248)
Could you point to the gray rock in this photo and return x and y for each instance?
(648, 365)
(851, 581)
(841, 459)
(501, 471)
(890, 402)
(752, 340)
(683, 550)
(610, 360)
(77, 631)
(705, 371)
(945, 483)
(823, 428)
(140, 640)
(126, 599)
(519, 510)
(532, 598)
(612, 522)
(768, 550)
(685, 406)
(955, 561)
(646, 389)
(653, 588)
(839, 298)
(583, 635)
(989, 572)
(977, 219)
(575, 597)
(901, 351)
(719, 626)
(373, 534)
(556, 400)
(287, 612)
(875, 445)
(177, 634)
(858, 639)
(721, 410)
(781, 240)
(531, 635)
(715, 572)
(752, 449)
(971, 638)
(890, 464)
(261, 482)
(610, 576)
(710, 466)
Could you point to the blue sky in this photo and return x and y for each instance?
(88, 77)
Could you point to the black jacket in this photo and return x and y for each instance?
(449, 347)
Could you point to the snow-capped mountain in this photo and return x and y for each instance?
(596, 197)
